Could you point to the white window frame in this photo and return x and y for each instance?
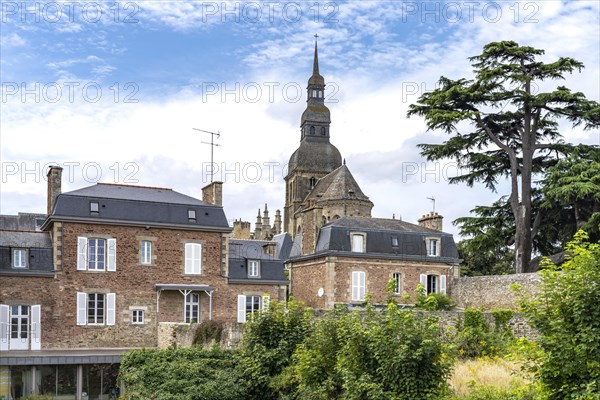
(146, 252)
(34, 327)
(94, 311)
(192, 300)
(440, 283)
(193, 258)
(397, 277)
(109, 311)
(356, 245)
(137, 316)
(253, 269)
(433, 246)
(359, 285)
(109, 254)
(242, 302)
(20, 255)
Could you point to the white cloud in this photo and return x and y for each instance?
(12, 40)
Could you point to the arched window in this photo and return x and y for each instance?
(312, 130)
(323, 131)
(313, 182)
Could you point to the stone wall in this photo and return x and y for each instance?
(172, 334)
(517, 324)
(492, 291)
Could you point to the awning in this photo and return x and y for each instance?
(184, 289)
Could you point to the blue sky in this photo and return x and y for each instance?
(153, 70)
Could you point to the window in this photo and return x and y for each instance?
(192, 307)
(96, 308)
(312, 130)
(323, 131)
(96, 254)
(137, 317)
(434, 283)
(433, 247)
(394, 241)
(358, 286)
(20, 327)
(192, 215)
(253, 268)
(313, 182)
(146, 252)
(94, 207)
(397, 277)
(358, 243)
(19, 258)
(251, 304)
(193, 264)
(95, 311)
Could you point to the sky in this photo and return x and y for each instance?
(115, 92)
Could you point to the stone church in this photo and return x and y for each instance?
(340, 252)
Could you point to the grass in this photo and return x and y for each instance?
(495, 372)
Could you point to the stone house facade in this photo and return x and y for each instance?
(105, 269)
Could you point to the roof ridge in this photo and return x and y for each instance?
(133, 186)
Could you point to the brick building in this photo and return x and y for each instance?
(105, 270)
(340, 253)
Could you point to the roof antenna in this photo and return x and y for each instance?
(433, 201)
(212, 147)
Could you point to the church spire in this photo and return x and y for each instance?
(316, 59)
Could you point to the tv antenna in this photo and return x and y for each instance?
(433, 201)
(212, 148)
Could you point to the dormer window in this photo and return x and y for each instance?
(94, 207)
(253, 268)
(192, 215)
(19, 258)
(358, 242)
(433, 247)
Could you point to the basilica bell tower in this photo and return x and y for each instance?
(316, 156)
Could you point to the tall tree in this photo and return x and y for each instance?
(502, 127)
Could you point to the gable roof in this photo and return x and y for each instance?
(271, 267)
(339, 184)
(138, 205)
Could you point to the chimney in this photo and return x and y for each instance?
(433, 220)
(241, 229)
(54, 186)
(277, 222)
(213, 193)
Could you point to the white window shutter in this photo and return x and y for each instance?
(354, 286)
(36, 327)
(111, 301)
(423, 280)
(4, 328)
(199, 258)
(241, 308)
(82, 247)
(266, 301)
(189, 258)
(81, 308)
(112, 255)
(443, 284)
(363, 284)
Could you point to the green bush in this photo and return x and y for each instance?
(566, 313)
(474, 338)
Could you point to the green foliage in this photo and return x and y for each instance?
(180, 374)
(392, 354)
(565, 311)
(474, 338)
(207, 332)
(266, 350)
(432, 301)
(482, 392)
(501, 128)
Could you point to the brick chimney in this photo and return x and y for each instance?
(54, 186)
(213, 193)
(432, 220)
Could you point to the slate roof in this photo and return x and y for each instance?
(22, 221)
(334, 238)
(139, 205)
(339, 184)
(39, 252)
(271, 267)
(315, 154)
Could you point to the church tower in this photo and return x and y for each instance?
(316, 156)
